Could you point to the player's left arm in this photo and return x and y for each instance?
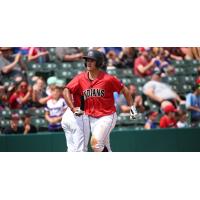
(119, 87)
(127, 95)
(129, 99)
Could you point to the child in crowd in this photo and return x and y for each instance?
(55, 108)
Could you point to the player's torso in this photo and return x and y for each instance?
(98, 96)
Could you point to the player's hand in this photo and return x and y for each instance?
(78, 111)
(133, 113)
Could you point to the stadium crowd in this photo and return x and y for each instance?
(164, 83)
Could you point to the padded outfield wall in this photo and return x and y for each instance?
(122, 140)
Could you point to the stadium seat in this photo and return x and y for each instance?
(67, 65)
(78, 65)
(5, 114)
(34, 67)
(65, 74)
(127, 73)
(4, 123)
(49, 67)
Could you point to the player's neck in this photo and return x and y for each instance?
(93, 74)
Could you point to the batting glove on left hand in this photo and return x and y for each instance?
(133, 113)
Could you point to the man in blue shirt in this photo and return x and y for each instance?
(193, 103)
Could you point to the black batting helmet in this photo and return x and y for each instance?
(95, 55)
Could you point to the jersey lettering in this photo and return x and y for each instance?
(93, 92)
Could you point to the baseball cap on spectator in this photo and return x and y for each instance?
(60, 83)
(51, 80)
(170, 108)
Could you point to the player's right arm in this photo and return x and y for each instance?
(68, 98)
(72, 88)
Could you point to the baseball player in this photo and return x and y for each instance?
(76, 125)
(97, 88)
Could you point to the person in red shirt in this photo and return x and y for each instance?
(21, 96)
(143, 65)
(97, 88)
(169, 119)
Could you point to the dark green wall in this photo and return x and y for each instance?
(165, 140)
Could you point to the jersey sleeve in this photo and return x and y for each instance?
(116, 84)
(73, 85)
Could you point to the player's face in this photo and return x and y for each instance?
(91, 64)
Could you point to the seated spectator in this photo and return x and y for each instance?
(38, 54)
(39, 96)
(28, 127)
(193, 103)
(162, 62)
(127, 57)
(112, 59)
(192, 53)
(22, 95)
(14, 127)
(159, 92)
(175, 53)
(144, 64)
(69, 54)
(11, 64)
(182, 119)
(55, 108)
(151, 120)
(121, 102)
(169, 119)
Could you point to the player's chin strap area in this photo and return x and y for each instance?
(133, 113)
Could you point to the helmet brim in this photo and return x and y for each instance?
(88, 57)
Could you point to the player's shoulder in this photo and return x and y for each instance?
(80, 75)
(108, 76)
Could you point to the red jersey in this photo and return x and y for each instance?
(98, 93)
(166, 122)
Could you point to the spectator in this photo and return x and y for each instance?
(169, 119)
(175, 53)
(14, 127)
(127, 57)
(69, 54)
(11, 65)
(28, 127)
(122, 105)
(159, 92)
(55, 108)
(192, 53)
(38, 54)
(39, 96)
(144, 65)
(151, 120)
(20, 98)
(193, 103)
(112, 59)
(182, 119)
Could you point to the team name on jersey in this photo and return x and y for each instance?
(93, 92)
